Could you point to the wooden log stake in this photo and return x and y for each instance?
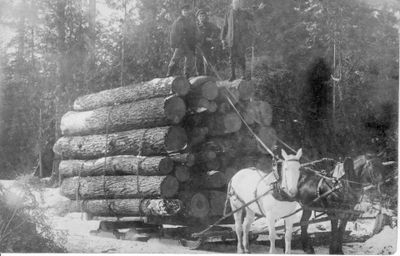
(158, 87)
(147, 113)
(121, 187)
(147, 142)
(117, 165)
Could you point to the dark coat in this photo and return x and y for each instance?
(183, 33)
(207, 30)
(238, 29)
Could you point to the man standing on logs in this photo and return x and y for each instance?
(238, 34)
(183, 42)
(207, 36)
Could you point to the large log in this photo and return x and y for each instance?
(217, 200)
(182, 173)
(147, 113)
(204, 86)
(196, 203)
(128, 207)
(158, 87)
(240, 89)
(197, 135)
(117, 165)
(119, 187)
(211, 180)
(187, 159)
(147, 142)
(259, 112)
(220, 124)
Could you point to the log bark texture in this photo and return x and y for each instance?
(147, 113)
(128, 207)
(117, 165)
(119, 187)
(158, 87)
(149, 142)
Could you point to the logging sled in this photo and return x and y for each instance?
(197, 152)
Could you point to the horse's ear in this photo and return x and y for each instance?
(283, 152)
(299, 153)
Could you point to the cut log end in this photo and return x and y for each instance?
(175, 109)
(176, 139)
(209, 90)
(197, 205)
(232, 123)
(182, 173)
(180, 86)
(169, 186)
(166, 166)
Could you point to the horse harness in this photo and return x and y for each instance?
(276, 187)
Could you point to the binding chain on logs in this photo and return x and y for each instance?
(139, 166)
(109, 206)
(77, 191)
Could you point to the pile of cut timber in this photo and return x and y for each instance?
(165, 147)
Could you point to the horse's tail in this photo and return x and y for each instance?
(228, 195)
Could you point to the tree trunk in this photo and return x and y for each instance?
(117, 165)
(147, 142)
(217, 201)
(158, 87)
(196, 203)
(142, 114)
(204, 86)
(119, 187)
(128, 207)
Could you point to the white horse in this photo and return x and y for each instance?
(251, 183)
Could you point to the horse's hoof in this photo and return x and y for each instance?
(247, 252)
(309, 250)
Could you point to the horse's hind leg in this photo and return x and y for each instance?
(238, 226)
(246, 229)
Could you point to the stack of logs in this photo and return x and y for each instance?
(162, 148)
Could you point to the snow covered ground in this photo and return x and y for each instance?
(80, 240)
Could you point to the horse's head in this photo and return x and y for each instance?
(290, 172)
(370, 169)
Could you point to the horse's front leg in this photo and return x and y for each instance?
(305, 239)
(272, 234)
(333, 248)
(288, 234)
(246, 229)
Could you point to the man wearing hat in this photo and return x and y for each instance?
(183, 42)
(207, 37)
(238, 34)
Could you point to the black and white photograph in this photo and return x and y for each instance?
(199, 126)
